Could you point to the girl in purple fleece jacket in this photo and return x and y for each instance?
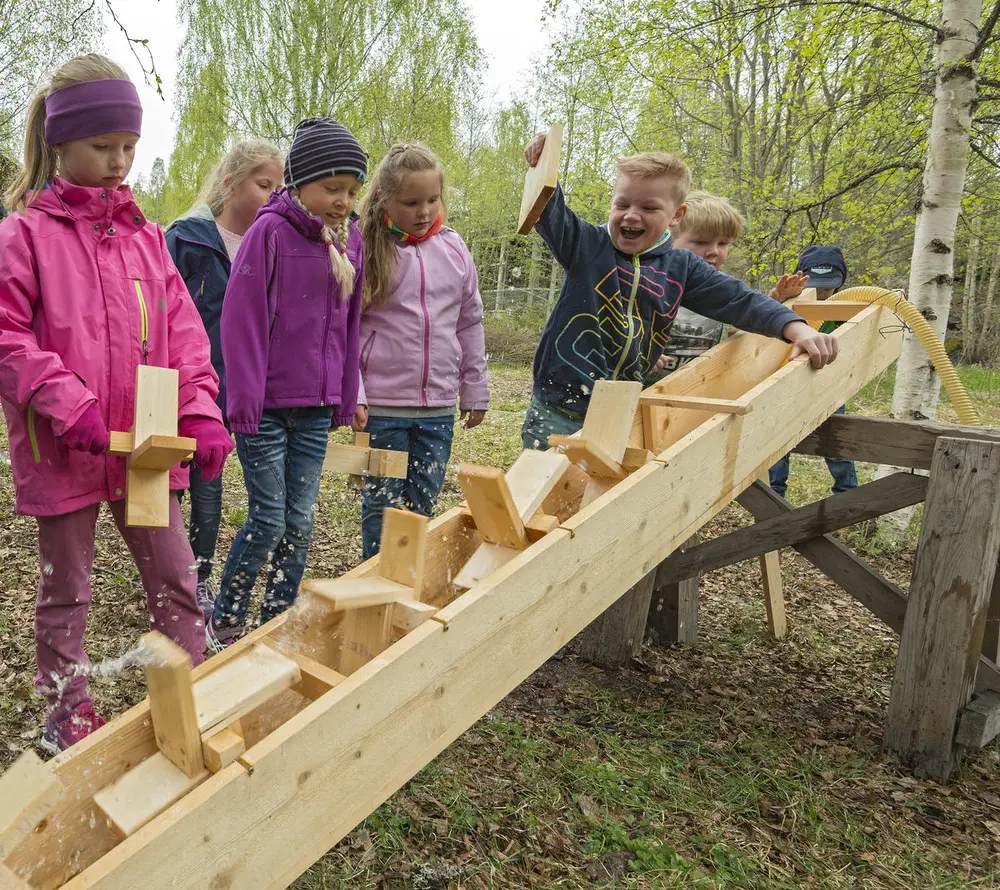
(290, 347)
(422, 342)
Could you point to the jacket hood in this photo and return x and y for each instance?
(281, 203)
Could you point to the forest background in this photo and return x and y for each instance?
(812, 117)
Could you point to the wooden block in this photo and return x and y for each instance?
(317, 679)
(484, 562)
(980, 721)
(540, 181)
(162, 452)
(241, 685)
(121, 443)
(362, 440)
(533, 475)
(403, 550)
(829, 310)
(942, 637)
(171, 703)
(610, 414)
(409, 615)
(774, 601)
(492, 505)
(351, 459)
(697, 403)
(388, 463)
(540, 525)
(341, 594)
(222, 749)
(616, 636)
(673, 608)
(597, 462)
(147, 492)
(635, 458)
(29, 790)
(366, 633)
(144, 792)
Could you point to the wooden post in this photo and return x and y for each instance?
(501, 272)
(774, 600)
(946, 613)
(171, 704)
(673, 608)
(616, 636)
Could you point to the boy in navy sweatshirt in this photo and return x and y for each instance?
(623, 285)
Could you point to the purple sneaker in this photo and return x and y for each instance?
(219, 637)
(62, 729)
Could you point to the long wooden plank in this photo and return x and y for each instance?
(28, 792)
(532, 477)
(316, 776)
(811, 521)
(942, 638)
(162, 452)
(240, 686)
(897, 443)
(610, 413)
(540, 181)
(171, 703)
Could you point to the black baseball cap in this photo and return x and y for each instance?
(825, 266)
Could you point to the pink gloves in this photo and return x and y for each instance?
(213, 444)
(88, 433)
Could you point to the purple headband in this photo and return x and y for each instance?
(90, 109)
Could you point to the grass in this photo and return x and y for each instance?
(737, 762)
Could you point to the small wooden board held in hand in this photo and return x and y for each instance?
(540, 181)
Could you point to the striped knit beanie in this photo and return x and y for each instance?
(323, 147)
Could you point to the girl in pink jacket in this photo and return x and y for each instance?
(422, 342)
(87, 293)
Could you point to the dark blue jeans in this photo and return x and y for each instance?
(543, 420)
(845, 476)
(281, 467)
(206, 516)
(428, 440)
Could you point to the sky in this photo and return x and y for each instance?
(510, 33)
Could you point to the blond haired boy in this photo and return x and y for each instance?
(708, 230)
(624, 283)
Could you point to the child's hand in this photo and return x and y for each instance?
(360, 418)
(213, 444)
(821, 348)
(89, 433)
(662, 363)
(533, 150)
(472, 417)
(789, 286)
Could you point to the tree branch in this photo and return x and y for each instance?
(986, 32)
(133, 42)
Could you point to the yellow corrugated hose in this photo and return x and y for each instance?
(933, 346)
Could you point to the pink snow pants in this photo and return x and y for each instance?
(66, 553)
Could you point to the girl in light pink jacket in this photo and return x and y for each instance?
(88, 292)
(422, 345)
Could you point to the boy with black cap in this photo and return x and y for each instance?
(827, 271)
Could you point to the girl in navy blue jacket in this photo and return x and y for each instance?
(203, 244)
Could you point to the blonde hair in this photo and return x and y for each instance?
(40, 159)
(336, 244)
(380, 242)
(711, 216)
(238, 163)
(656, 164)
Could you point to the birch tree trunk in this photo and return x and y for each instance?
(932, 265)
(969, 302)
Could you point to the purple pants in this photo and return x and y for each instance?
(66, 554)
